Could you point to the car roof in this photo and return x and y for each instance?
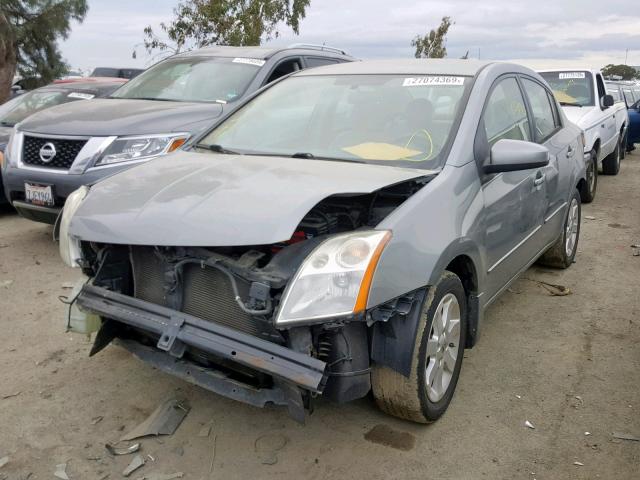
(95, 85)
(262, 53)
(401, 67)
(569, 69)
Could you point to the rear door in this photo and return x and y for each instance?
(563, 150)
(514, 202)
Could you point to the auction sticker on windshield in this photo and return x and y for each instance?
(568, 75)
(81, 95)
(432, 80)
(250, 61)
(38, 194)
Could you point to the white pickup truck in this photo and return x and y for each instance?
(584, 99)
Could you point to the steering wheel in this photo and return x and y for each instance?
(427, 135)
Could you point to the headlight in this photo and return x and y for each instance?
(70, 246)
(12, 150)
(335, 279)
(127, 149)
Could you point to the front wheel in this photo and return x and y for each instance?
(562, 253)
(588, 189)
(437, 358)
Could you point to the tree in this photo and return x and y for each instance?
(624, 71)
(432, 45)
(198, 23)
(29, 31)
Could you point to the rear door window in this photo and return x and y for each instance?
(319, 61)
(544, 119)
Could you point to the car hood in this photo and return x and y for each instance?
(114, 116)
(576, 114)
(192, 199)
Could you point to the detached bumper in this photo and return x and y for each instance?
(290, 370)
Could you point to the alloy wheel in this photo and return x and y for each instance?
(442, 347)
(571, 228)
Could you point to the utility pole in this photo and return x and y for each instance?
(626, 54)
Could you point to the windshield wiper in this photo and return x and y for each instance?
(311, 156)
(7, 124)
(570, 104)
(217, 149)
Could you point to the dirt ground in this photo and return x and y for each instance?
(567, 364)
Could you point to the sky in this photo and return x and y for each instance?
(538, 33)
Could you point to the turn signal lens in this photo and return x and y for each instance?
(177, 143)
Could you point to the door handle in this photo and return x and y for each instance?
(539, 180)
(570, 151)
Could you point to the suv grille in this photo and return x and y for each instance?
(66, 151)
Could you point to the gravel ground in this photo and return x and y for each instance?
(567, 364)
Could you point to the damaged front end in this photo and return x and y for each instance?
(267, 324)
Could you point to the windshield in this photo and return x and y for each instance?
(193, 79)
(571, 88)
(384, 119)
(21, 107)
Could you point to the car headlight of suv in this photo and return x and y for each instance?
(334, 280)
(12, 149)
(70, 246)
(128, 149)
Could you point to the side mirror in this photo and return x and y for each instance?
(16, 88)
(607, 101)
(513, 155)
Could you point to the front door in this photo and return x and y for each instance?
(514, 202)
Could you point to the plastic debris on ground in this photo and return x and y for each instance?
(528, 424)
(114, 450)
(205, 431)
(96, 420)
(626, 436)
(579, 464)
(10, 395)
(135, 464)
(161, 476)
(6, 283)
(61, 471)
(163, 421)
(4, 461)
(589, 217)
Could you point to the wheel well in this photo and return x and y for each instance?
(596, 147)
(465, 269)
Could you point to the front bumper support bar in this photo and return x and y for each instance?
(178, 330)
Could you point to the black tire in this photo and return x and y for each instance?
(405, 397)
(588, 189)
(557, 255)
(611, 164)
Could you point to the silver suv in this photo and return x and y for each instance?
(56, 151)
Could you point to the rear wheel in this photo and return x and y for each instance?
(611, 164)
(588, 189)
(562, 253)
(437, 358)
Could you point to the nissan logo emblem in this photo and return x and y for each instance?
(47, 152)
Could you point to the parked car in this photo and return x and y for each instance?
(342, 231)
(629, 94)
(127, 73)
(585, 102)
(152, 115)
(19, 108)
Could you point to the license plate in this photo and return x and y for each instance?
(39, 194)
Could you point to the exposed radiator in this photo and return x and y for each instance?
(206, 294)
